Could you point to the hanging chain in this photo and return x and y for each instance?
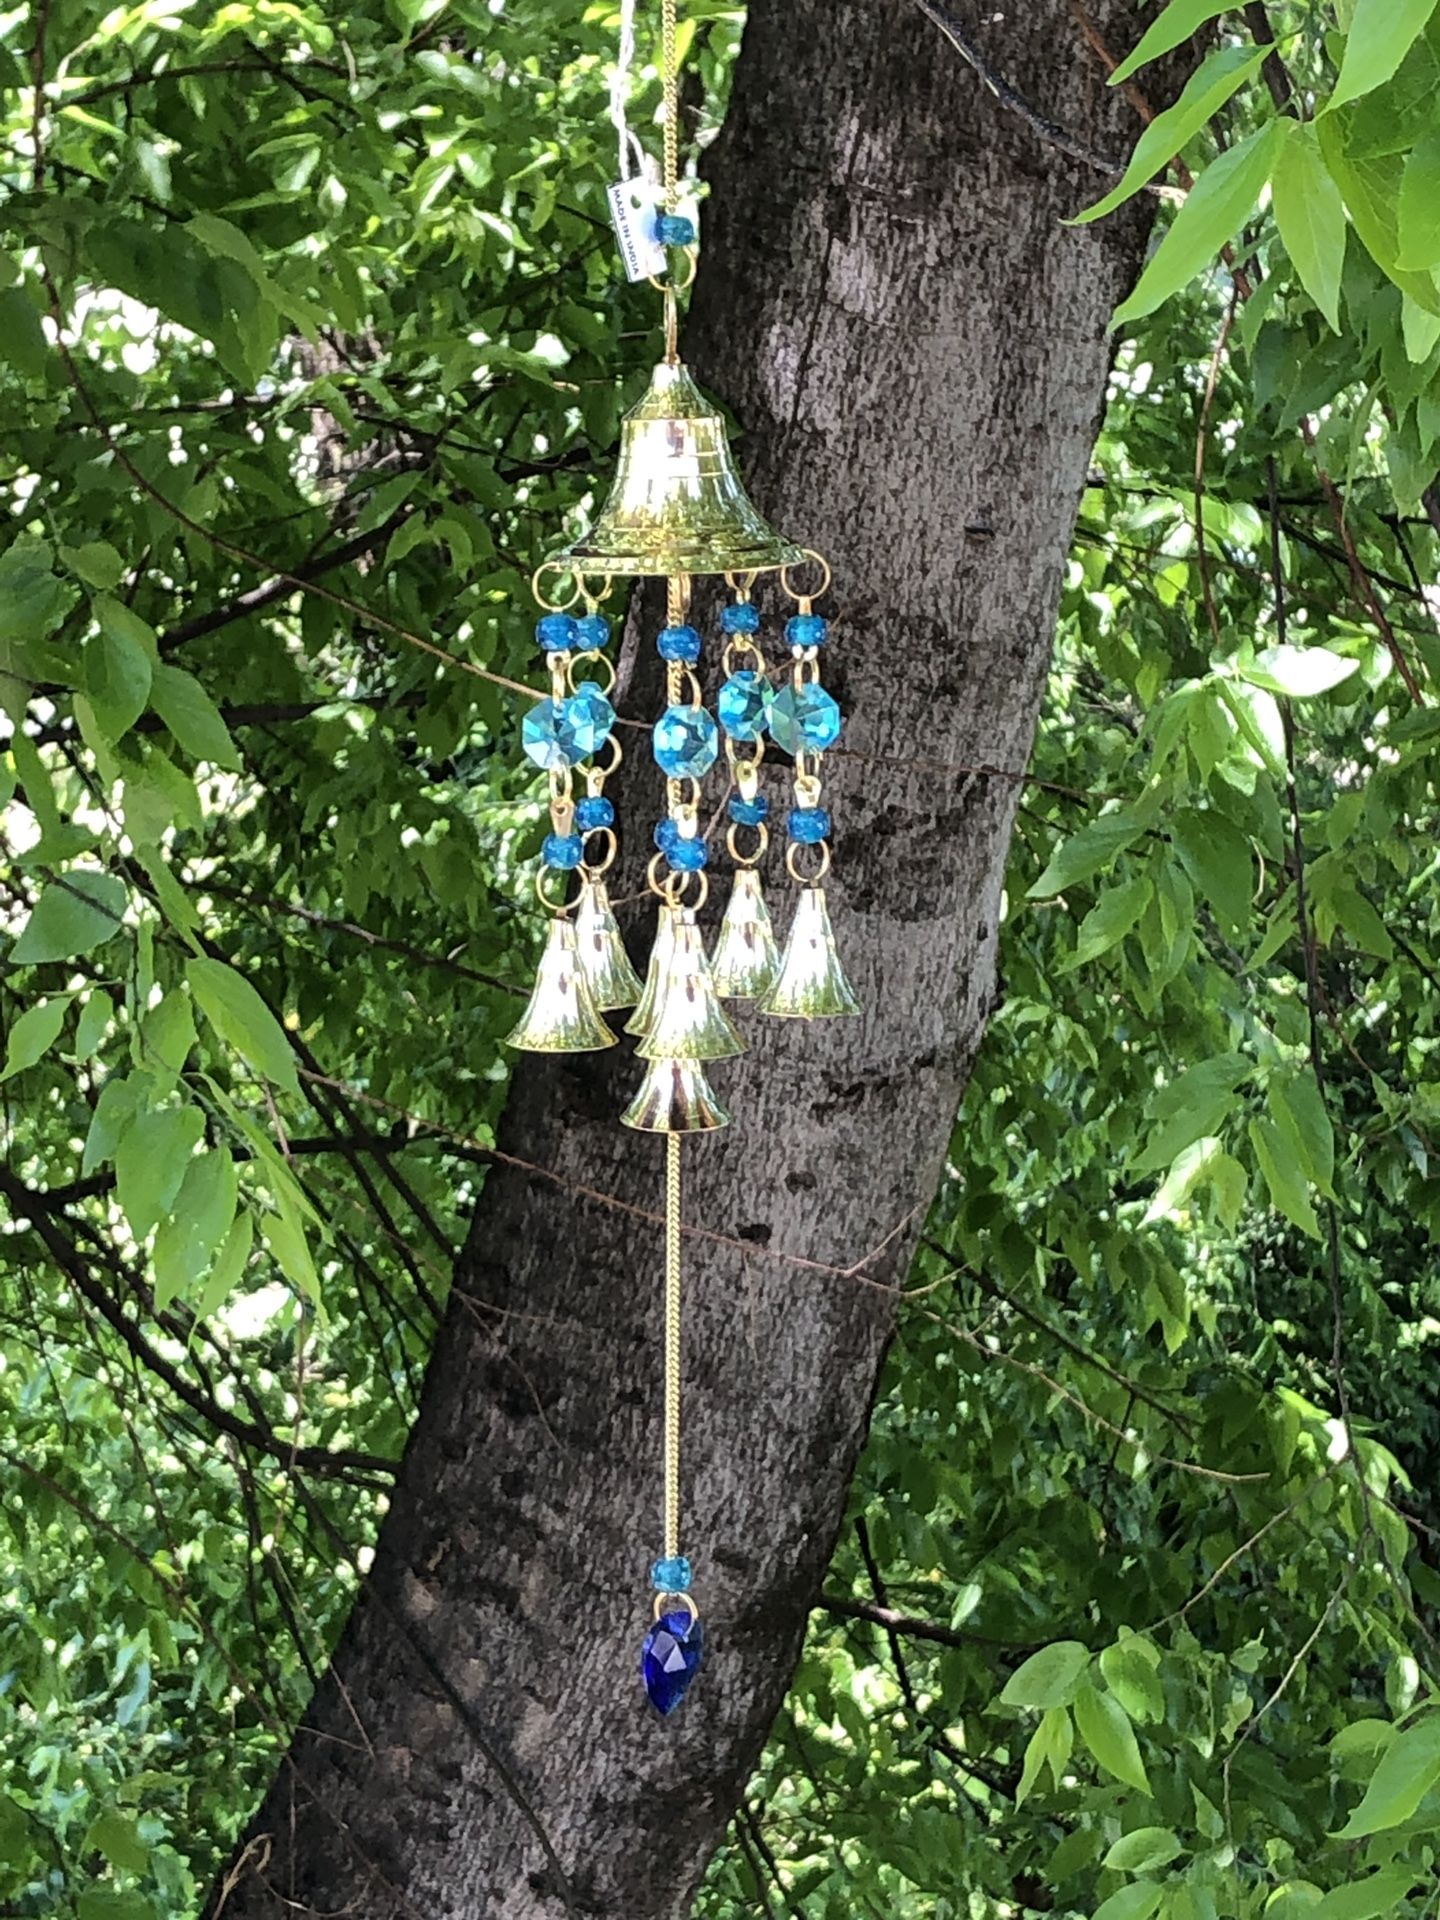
(671, 80)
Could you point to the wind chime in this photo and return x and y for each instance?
(677, 510)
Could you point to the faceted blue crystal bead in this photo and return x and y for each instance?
(672, 1575)
(749, 813)
(671, 1658)
(592, 632)
(686, 742)
(544, 737)
(679, 643)
(686, 855)
(809, 824)
(805, 720)
(806, 629)
(587, 721)
(556, 632)
(744, 704)
(594, 811)
(743, 616)
(675, 230)
(562, 850)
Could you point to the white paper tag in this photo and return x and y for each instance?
(633, 205)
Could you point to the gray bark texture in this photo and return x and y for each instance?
(917, 349)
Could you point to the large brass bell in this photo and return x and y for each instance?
(609, 975)
(811, 983)
(746, 959)
(675, 1097)
(677, 505)
(561, 1016)
(688, 1021)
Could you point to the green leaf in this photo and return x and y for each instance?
(1193, 1104)
(1368, 1899)
(1408, 1768)
(94, 1023)
(117, 668)
(1206, 91)
(109, 1903)
(1179, 22)
(1310, 213)
(22, 338)
(1104, 1726)
(1298, 1110)
(1418, 208)
(193, 717)
(1143, 1848)
(1049, 1678)
(1215, 209)
(1129, 1670)
(242, 1020)
(33, 1034)
(1300, 672)
(229, 1266)
(202, 1216)
(1217, 857)
(1135, 1902)
(1114, 914)
(116, 1835)
(151, 1160)
(96, 563)
(1381, 33)
(77, 912)
(285, 1238)
(1085, 853)
(1283, 1177)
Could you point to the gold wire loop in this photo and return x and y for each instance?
(696, 697)
(741, 583)
(560, 783)
(744, 643)
(617, 754)
(588, 594)
(561, 907)
(563, 571)
(669, 285)
(672, 886)
(594, 868)
(599, 659)
(822, 847)
(664, 1602)
(814, 593)
(762, 841)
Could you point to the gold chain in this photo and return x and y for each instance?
(671, 82)
(672, 1345)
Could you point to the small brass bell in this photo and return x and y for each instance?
(660, 951)
(811, 982)
(561, 1017)
(677, 505)
(688, 1022)
(675, 1097)
(746, 958)
(612, 981)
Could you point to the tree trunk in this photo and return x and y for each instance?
(917, 349)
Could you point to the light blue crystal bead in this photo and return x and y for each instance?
(806, 629)
(671, 1576)
(595, 810)
(555, 632)
(744, 704)
(545, 738)
(686, 742)
(592, 631)
(587, 721)
(741, 616)
(562, 850)
(805, 720)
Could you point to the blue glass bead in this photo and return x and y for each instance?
(744, 704)
(741, 617)
(670, 1658)
(543, 736)
(809, 824)
(679, 643)
(749, 813)
(556, 632)
(805, 720)
(686, 855)
(675, 230)
(671, 1576)
(592, 632)
(686, 742)
(806, 629)
(562, 850)
(587, 722)
(594, 811)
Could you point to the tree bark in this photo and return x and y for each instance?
(916, 346)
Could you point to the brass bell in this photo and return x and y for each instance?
(746, 958)
(561, 1017)
(660, 951)
(675, 1097)
(612, 981)
(677, 505)
(811, 982)
(688, 1021)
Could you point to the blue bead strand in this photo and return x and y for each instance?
(679, 644)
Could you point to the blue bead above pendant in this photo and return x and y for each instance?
(670, 1658)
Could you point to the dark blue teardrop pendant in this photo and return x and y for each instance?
(671, 1658)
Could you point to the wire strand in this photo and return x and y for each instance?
(672, 1345)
